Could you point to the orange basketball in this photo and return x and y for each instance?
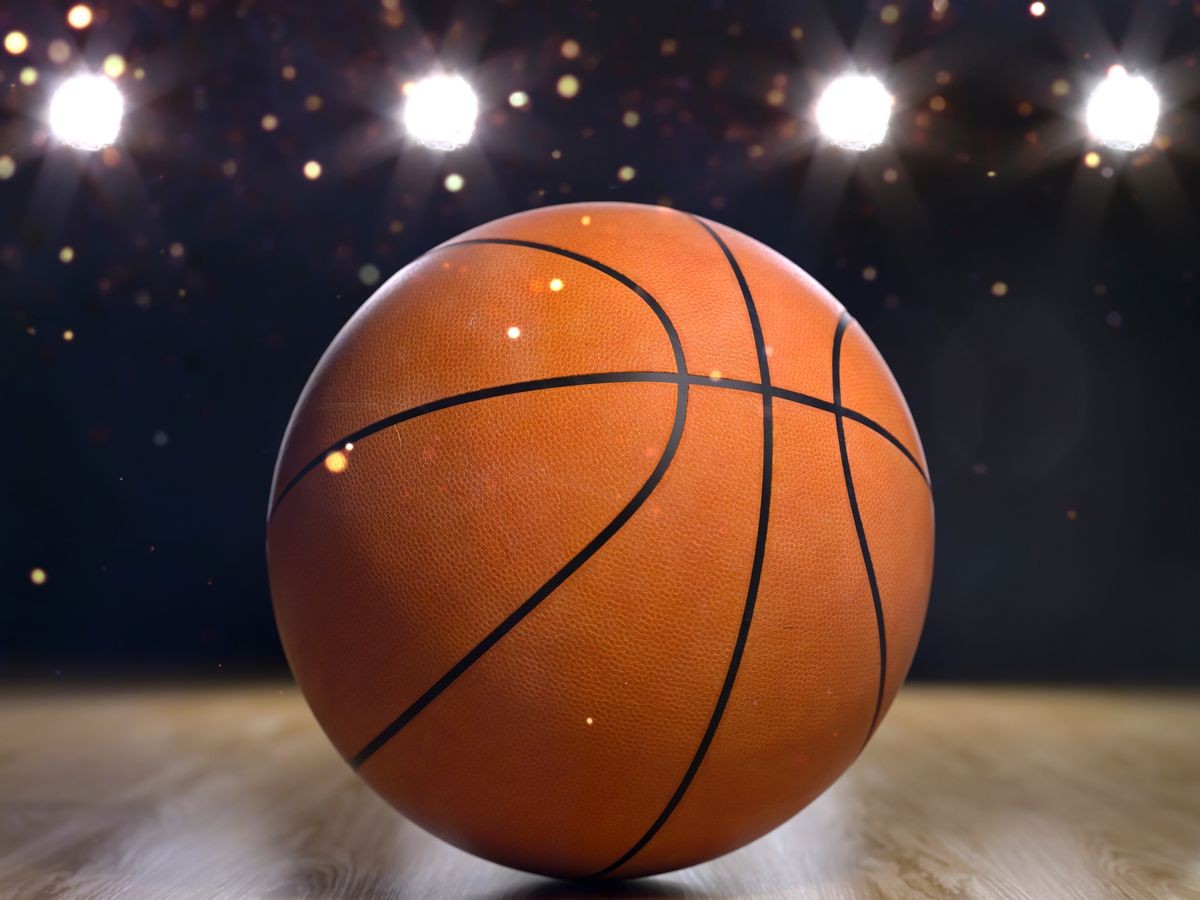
(600, 540)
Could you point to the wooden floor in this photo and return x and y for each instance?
(234, 792)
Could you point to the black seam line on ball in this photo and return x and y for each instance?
(591, 548)
(541, 384)
(668, 326)
(760, 544)
(839, 415)
(515, 617)
(485, 393)
(597, 378)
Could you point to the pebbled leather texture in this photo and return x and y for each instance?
(548, 623)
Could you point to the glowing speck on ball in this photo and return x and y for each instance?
(86, 112)
(1122, 112)
(440, 112)
(556, 284)
(513, 332)
(853, 111)
(336, 462)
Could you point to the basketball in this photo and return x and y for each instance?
(600, 540)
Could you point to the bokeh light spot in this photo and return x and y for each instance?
(114, 65)
(79, 16)
(59, 52)
(568, 86)
(16, 43)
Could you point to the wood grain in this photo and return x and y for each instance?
(234, 792)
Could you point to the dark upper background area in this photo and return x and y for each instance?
(208, 275)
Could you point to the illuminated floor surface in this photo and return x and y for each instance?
(234, 792)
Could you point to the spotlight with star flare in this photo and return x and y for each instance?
(854, 110)
(440, 111)
(86, 112)
(1122, 111)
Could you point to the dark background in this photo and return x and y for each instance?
(1059, 419)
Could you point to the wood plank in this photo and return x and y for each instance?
(964, 792)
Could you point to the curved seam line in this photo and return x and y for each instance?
(859, 528)
(760, 544)
(539, 384)
(597, 378)
(591, 548)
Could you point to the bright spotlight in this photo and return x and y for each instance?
(1123, 110)
(853, 111)
(440, 111)
(86, 111)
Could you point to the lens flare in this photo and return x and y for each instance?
(1122, 112)
(854, 111)
(440, 112)
(86, 112)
